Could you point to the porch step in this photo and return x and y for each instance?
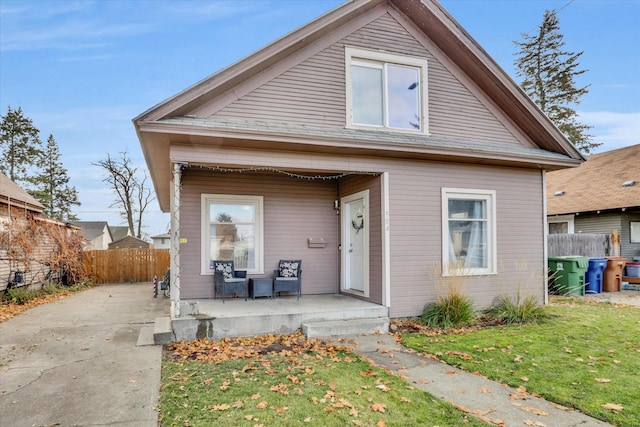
(360, 326)
(162, 331)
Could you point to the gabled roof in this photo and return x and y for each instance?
(173, 119)
(597, 184)
(119, 232)
(92, 229)
(11, 194)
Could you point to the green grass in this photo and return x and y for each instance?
(585, 356)
(302, 389)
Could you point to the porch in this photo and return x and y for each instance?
(316, 315)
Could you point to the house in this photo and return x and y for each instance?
(97, 234)
(30, 253)
(161, 241)
(599, 196)
(378, 143)
(120, 232)
(129, 242)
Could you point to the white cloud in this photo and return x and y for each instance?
(613, 130)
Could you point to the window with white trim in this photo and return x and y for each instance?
(232, 230)
(561, 224)
(386, 91)
(468, 232)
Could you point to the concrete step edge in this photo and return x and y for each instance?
(368, 325)
(162, 331)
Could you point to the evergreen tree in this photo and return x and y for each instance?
(20, 145)
(548, 75)
(51, 185)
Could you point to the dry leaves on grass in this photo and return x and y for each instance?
(249, 347)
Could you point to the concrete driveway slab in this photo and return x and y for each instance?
(75, 362)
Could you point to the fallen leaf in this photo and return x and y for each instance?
(613, 407)
(378, 407)
(525, 379)
(381, 423)
(534, 423)
(485, 390)
(603, 380)
(535, 411)
(405, 400)
(450, 372)
(262, 405)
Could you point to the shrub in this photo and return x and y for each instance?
(451, 310)
(518, 310)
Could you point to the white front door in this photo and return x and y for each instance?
(355, 243)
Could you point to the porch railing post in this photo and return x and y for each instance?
(175, 239)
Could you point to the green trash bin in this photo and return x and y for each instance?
(567, 274)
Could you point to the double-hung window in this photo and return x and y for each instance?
(468, 232)
(232, 231)
(386, 91)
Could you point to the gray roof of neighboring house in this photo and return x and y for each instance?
(91, 229)
(119, 232)
(596, 184)
(12, 194)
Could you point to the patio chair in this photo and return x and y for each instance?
(288, 277)
(226, 280)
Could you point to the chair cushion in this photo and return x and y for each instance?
(286, 279)
(289, 269)
(235, 280)
(226, 267)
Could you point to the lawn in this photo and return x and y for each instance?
(289, 380)
(587, 356)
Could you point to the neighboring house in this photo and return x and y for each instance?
(129, 242)
(119, 232)
(161, 241)
(600, 196)
(97, 234)
(379, 144)
(26, 249)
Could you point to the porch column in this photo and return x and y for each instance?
(175, 239)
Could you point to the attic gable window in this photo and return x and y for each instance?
(386, 91)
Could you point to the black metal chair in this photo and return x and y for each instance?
(288, 277)
(226, 280)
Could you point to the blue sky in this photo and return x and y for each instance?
(81, 70)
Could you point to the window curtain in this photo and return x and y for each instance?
(475, 255)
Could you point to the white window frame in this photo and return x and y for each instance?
(489, 197)
(258, 202)
(569, 219)
(354, 54)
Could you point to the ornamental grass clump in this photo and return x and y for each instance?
(518, 310)
(452, 308)
(524, 306)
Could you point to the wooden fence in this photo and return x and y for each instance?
(591, 245)
(126, 265)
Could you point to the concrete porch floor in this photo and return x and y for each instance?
(316, 315)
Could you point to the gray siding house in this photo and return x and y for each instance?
(379, 144)
(600, 196)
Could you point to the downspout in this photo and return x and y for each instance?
(545, 276)
(174, 251)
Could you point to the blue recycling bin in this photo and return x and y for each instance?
(593, 276)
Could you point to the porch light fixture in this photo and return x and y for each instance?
(628, 184)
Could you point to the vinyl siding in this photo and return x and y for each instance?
(605, 223)
(313, 91)
(296, 209)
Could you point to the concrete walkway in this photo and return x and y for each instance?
(479, 396)
(76, 362)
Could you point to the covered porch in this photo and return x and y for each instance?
(315, 315)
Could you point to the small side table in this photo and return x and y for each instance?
(262, 287)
